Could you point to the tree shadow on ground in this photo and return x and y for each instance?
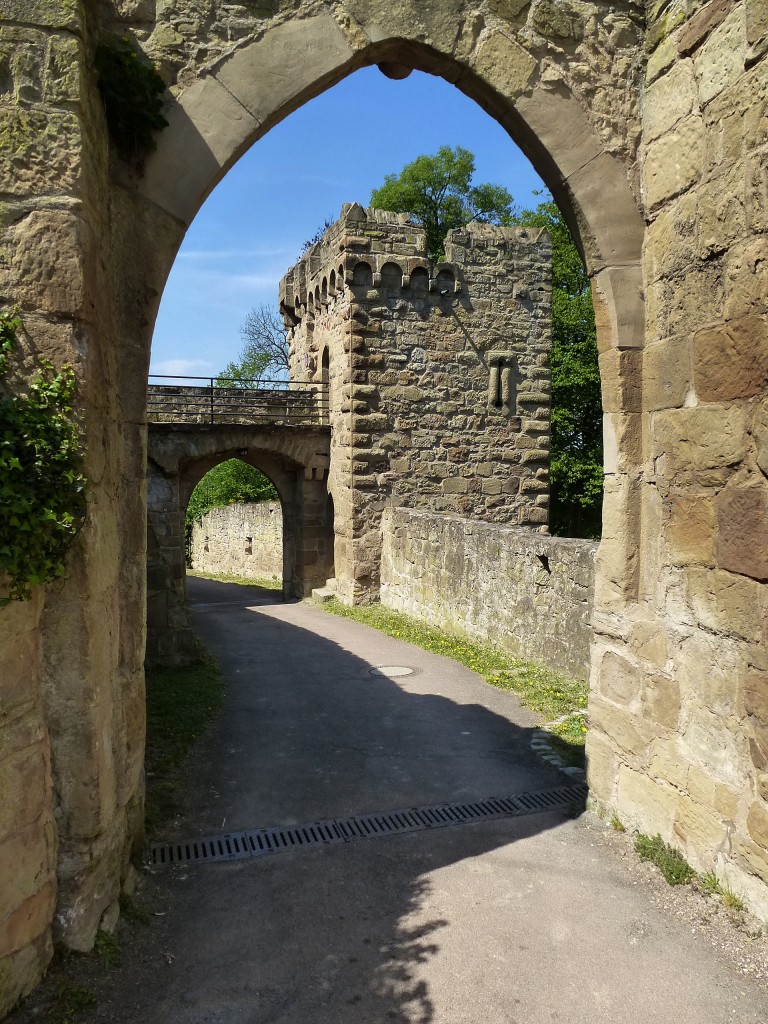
(343, 934)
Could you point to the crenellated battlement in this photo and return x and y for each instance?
(369, 249)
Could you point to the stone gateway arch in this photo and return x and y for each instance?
(649, 123)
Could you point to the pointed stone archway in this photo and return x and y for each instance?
(650, 132)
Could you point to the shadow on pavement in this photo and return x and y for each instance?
(342, 934)
(514, 921)
(307, 732)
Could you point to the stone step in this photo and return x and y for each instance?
(327, 592)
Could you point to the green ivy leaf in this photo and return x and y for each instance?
(41, 464)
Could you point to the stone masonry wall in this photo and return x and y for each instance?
(294, 458)
(529, 593)
(679, 707)
(245, 540)
(299, 404)
(649, 123)
(71, 660)
(170, 637)
(27, 829)
(440, 376)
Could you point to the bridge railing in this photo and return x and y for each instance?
(175, 399)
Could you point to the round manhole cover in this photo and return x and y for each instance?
(391, 671)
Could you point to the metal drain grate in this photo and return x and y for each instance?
(263, 841)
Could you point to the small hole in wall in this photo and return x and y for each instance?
(544, 559)
(446, 282)
(205, 544)
(249, 545)
(420, 282)
(362, 274)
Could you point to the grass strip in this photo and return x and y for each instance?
(670, 862)
(677, 871)
(266, 583)
(547, 693)
(710, 884)
(180, 703)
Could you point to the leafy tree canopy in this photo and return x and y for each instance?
(229, 482)
(438, 192)
(576, 466)
(264, 354)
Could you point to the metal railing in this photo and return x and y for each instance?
(177, 399)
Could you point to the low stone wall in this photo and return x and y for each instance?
(246, 540)
(528, 592)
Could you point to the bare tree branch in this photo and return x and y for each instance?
(264, 354)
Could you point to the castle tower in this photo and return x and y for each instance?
(438, 375)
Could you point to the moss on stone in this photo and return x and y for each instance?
(664, 26)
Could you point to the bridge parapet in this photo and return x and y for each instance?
(205, 400)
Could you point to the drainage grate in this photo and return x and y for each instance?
(260, 842)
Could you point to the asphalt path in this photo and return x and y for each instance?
(517, 921)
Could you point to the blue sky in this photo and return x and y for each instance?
(335, 149)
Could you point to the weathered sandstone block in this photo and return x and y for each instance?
(742, 527)
(742, 345)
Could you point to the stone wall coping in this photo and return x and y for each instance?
(526, 540)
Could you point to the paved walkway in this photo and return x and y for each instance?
(520, 921)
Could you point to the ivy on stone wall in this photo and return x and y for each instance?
(131, 91)
(42, 486)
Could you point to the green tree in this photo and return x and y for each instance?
(576, 466)
(438, 192)
(264, 353)
(229, 482)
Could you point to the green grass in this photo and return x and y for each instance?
(730, 899)
(677, 871)
(180, 703)
(671, 863)
(548, 693)
(266, 583)
(70, 1001)
(710, 884)
(107, 949)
